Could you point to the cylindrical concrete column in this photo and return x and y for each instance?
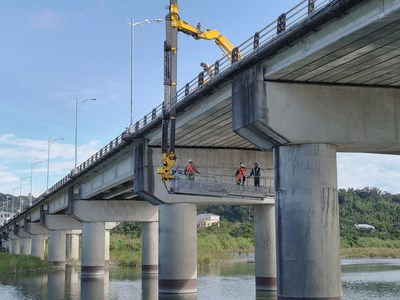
(178, 248)
(93, 241)
(72, 246)
(15, 246)
(307, 213)
(57, 242)
(26, 246)
(38, 245)
(149, 247)
(107, 247)
(265, 247)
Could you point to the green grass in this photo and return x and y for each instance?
(125, 250)
(12, 264)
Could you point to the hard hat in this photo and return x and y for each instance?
(242, 165)
(190, 160)
(256, 163)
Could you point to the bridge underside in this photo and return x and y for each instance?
(361, 48)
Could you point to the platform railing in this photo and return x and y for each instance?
(304, 9)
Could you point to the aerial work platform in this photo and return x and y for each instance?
(222, 186)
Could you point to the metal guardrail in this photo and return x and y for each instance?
(265, 182)
(284, 22)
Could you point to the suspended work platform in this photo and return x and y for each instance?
(223, 186)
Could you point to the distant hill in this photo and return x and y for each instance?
(3, 199)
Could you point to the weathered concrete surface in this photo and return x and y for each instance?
(307, 214)
(62, 222)
(25, 245)
(72, 246)
(356, 119)
(178, 249)
(149, 247)
(57, 244)
(38, 245)
(265, 247)
(35, 228)
(114, 211)
(93, 241)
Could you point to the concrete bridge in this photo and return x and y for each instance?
(323, 78)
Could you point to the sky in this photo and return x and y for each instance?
(56, 52)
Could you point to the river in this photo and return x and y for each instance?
(363, 279)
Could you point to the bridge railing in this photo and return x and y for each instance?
(265, 181)
(284, 22)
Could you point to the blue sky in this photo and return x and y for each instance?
(54, 52)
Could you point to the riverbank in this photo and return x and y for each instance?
(12, 264)
(212, 249)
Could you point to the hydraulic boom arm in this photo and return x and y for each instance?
(174, 24)
(197, 34)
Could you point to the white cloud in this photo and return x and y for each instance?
(46, 19)
(369, 170)
(17, 155)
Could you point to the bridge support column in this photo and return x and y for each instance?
(93, 241)
(26, 246)
(265, 247)
(15, 246)
(57, 242)
(178, 249)
(107, 247)
(149, 247)
(307, 222)
(72, 246)
(38, 245)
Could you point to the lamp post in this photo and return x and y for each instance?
(20, 192)
(132, 24)
(30, 192)
(13, 199)
(50, 142)
(7, 201)
(77, 104)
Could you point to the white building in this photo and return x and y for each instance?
(205, 220)
(364, 226)
(5, 216)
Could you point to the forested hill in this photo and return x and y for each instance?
(370, 206)
(357, 206)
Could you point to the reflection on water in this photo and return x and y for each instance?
(371, 279)
(362, 279)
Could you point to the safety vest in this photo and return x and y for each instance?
(241, 174)
(190, 168)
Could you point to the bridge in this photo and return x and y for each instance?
(322, 78)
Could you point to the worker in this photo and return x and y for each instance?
(208, 69)
(190, 170)
(241, 174)
(256, 172)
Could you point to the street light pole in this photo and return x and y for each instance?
(50, 142)
(20, 192)
(132, 24)
(13, 199)
(77, 104)
(30, 192)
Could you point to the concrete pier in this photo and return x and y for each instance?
(93, 241)
(106, 247)
(307, 215)
(15, 246)
(178, 249)
(265, 247)
(57, 244)
(38, 245)
(149, 247)
(72, 246)
(26, 245)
